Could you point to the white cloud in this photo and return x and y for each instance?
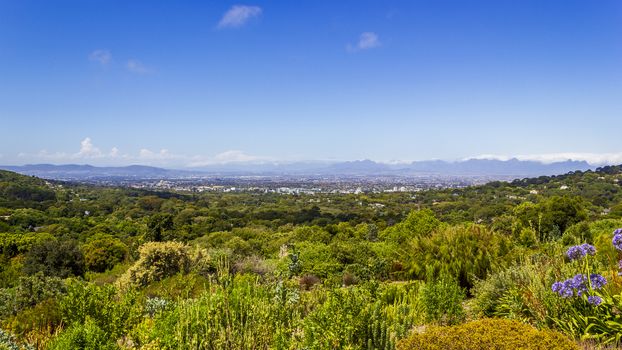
(87, 150)
(90, 153)
(238, 15)
(102, 57)
(547, 158)
(367, 40)
(137, 67)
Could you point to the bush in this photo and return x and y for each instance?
(244, 314)
(157, 260)
(83, 336)
(418, 223)
(104, 253)
(112, 312)
(484, 334)
(37, 323)
(464, 252)
(523, 291)
(442, 301)
(53, 258)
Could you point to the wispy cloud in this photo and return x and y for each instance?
(591, 158)
(89, 152)
(137, 67)
(238, 15)
(100, 56)
(367, 40)
(234, 156)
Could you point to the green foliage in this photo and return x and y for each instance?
(83, 336)
(462, 252)
(418, 223)
(345, 285)
(158, 226)
(442, 301)
(111, 311)
(30, 291)
(552, 217)
(104, 253)
(226, 317)
(55, 258)
(487, 334)
(35, 324)
(18, 191)
(578, 233)
(522, 291)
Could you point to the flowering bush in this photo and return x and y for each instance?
(580, 284)
(593, 313)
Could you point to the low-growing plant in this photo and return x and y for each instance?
(486, 334)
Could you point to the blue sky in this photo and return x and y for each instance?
(188, 83)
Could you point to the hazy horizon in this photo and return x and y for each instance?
(187, 84)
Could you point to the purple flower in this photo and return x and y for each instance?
(594, 300)
(575, 253)
(579, 251)
(588, 249)
(597, 281)
(564, 289)
(617, 239)
(578, 281)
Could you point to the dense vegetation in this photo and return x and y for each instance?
(535, 261)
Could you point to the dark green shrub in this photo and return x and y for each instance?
(104, 253)
(418, 223)
(55, 258)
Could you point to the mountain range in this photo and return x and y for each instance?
(471, 167)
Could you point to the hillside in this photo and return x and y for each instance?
(23, 191)
(316, 271)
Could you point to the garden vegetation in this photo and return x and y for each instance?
(531, 264)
